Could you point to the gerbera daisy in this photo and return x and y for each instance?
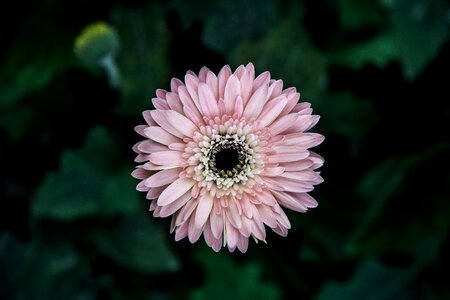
(223, 154)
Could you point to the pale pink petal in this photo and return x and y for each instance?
(194, 232)
(171, 208)
(159, 103)
(242, 244)
(297, 165)
(181, 123)
(271, 111)
(208, 102)
(304, 123)
(232, 90)
(154, 193)
(175, 191)
(149, 146)
(283, 123)
(174, 102)
(202, 74)
(205, 204)
(256, 103)
(174, 84)
(160, 117)
(170, 158)
(292, 100)
(163, 177)
(262, 79)
(223, 76)
(159, 135)
(213, 82)
(275, 89)
(232, 235)
(216, 224)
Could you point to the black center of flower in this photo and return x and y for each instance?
(226, 159)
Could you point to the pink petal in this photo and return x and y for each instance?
(148, 118)
(160, 135)
(174, 102)
(216, 224)
(186, 212)
(262, 79)
(242, 244)
(149, 146)
(304, 123)
(297, 165)
(287, 156)
(238, 107)
(271, 111)
(292, 99)
(160, 93)
(256, 103)
(181, 123)
(170, 209)
(163, 177)
(213, 82)
(283, 123)
(275, 89)
(267, 216)
(223, 76)
(273, 172)
(306, 140)
(192, 83)
(246, 83)
(154, 193)
(305, 175)
(232, 236)
(174, 84)
(187, 101)
(169, 158)
(141, 173)
(208, 102)
(232, 90)
(202, 74)
(140, 129)
(160, 104)
(194, 232)
(288, 185)
(205, 204)
(160, 118)
(175, 191)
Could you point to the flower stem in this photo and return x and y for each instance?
(112, 71)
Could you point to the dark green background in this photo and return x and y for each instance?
(72, 225)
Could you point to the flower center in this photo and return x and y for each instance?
(227, 158)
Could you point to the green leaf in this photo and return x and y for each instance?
(355, 14)
(138, 244)
(39, 271)
(143, 60)
(419, 29)
(86, 184)
(226, 280)
(289, 55)
(376, 281)
(228, 22)
(369, 282)
(379, 51)
(26, 69)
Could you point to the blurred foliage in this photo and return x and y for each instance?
(72, 225)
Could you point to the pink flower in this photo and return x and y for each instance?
(222, 154)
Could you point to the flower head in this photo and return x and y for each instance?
(223, 154)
